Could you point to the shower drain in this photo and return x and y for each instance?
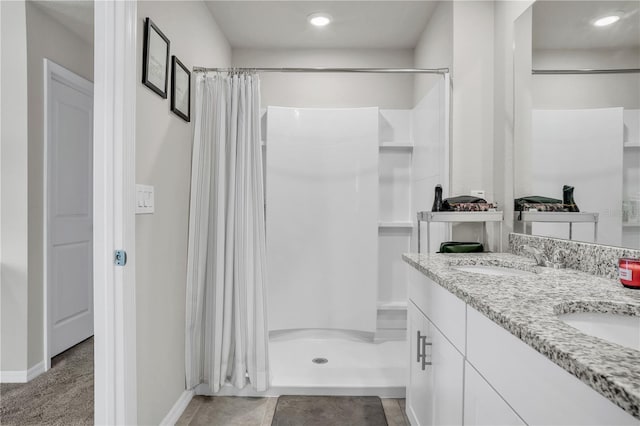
(320, 360)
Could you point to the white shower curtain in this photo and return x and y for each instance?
(226, 327)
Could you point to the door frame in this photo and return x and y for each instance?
(115, 59)
(52, 71)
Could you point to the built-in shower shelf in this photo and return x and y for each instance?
(396, 145)
(396, 224)
(632, 144)
(392, 306)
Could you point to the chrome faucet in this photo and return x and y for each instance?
(557, 259)
(539, 256)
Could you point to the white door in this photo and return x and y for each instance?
(435, 389)
(419, 405)
(446, 370)
(69, 184)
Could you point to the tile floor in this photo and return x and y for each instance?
(243, 411)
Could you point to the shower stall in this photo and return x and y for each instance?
(342, 186)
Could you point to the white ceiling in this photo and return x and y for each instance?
(378, 24)
(356, 24)
(568, 24)
(76, 15)
(283, 24)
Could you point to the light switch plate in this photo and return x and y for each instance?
(145, 199)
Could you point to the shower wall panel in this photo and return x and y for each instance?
(395, 185)
(582, 148)
(322, 218)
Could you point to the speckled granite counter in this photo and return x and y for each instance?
(527, 306)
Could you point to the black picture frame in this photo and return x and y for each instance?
(152, 57)
(180, 89)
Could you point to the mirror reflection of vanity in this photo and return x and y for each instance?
(577, 117)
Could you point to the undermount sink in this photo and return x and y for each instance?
(491, 270)
(620, 329)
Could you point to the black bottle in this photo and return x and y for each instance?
(437, 201)
(567, 198)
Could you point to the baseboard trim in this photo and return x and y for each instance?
(22, 376)
(13, 376)
(35, 371)
(178, 408)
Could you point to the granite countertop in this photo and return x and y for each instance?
(527, 306)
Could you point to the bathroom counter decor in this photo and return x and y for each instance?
(459, 217)
(528, 306)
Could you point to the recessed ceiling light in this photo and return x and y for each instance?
(319, 19)
(606, 20)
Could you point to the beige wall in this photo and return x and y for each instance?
(459, 36)
(163, 159)
(331, 90)
(46, 38)
(22, 166)
(13, 187)
(506, 12)
(435, 48)
(586, 91)
(475, 39)
(472, 133)
(522, 103)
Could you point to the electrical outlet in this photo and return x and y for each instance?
(478, 193)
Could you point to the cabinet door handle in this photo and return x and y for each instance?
(424, 352)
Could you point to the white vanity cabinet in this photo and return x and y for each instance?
(541, 392)
(480, 374)
(419, 389)
(436, 365)
(482, 404)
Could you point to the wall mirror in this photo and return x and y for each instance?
(577, 118)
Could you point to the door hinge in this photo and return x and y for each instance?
(120, 257)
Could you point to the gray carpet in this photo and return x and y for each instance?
(329, 410)
(61, 396)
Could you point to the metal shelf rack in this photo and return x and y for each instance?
(522, 223)
(459, 217)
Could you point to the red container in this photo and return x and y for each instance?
(629, 272)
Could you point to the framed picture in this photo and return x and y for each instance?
(180, 89)
(155, 59)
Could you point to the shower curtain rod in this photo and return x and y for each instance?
(588, 71)
(335, 70)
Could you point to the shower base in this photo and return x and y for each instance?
(355, 365)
